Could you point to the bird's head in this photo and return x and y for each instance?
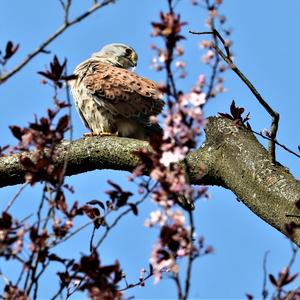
(119, 55)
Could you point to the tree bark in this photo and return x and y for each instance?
(231, 157)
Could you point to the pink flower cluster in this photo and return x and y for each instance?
(174, 242)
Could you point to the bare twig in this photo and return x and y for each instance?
(190, 257)
(108, 227)
(62, 3)
(52, 37)
(124, 213)
(67, 11)
(9, 205)
(59, 292)
(217, 59)
(264, 287)
(132, 285)
(92, 238)
(280, 292)
(176, 279)
(67, 237)
(274, 115)
(295, 250)
(276, 142)
(4, 278)
(36, 281)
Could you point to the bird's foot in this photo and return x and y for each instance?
(89, 134)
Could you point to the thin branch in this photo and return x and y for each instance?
(36, 281)
(275, 115)
(132, 285)
(108, 228)
(276, 142)
(67, 11)
(52, 37)
(124, 213)
(9, 205)
(190, 257)
(73, 233)
(176, 279)
(4, 278)
(62, 3)
(113, 224)
(92, 238)
(295, 250)
(217, 60)
(59, 292)
(264, 287)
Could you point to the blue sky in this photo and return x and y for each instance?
(266, 47)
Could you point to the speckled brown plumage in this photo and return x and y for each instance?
(110, 98)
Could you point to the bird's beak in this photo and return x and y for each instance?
(133, 59)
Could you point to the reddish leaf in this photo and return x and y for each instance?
(17, 131)
(54, 257)
(273, 280)
(5, 221)
(134, 209)
(97, 202)
(27, 163)
(226, 116)
(69, 77)
(62, 123)
(56, 71)
(10, 50)
(291, 278)
(116, 186)
(33, 234)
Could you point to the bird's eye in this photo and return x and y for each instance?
(128, 51)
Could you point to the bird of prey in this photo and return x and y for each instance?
(113, 100)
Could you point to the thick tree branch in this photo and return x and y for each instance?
(231, 157)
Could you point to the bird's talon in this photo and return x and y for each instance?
(89, 134)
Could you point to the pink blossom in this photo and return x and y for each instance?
(205, 44)
(69, 223)
(222, 19)
(206, 58)
(173, 156)
(160, 264)
(177, 217)
(201, 80)
(266, 132)
(156, 218)
(180, 64)
(157, 174)
(196, 113)
(179, 50)
(155, 64)
(181, 252)
(197, 99)
(162, 57)
(220, 88)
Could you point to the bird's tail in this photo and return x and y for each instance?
(154, 129)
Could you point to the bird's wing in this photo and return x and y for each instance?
(123, 91)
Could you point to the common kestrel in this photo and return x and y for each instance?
(111, 99)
